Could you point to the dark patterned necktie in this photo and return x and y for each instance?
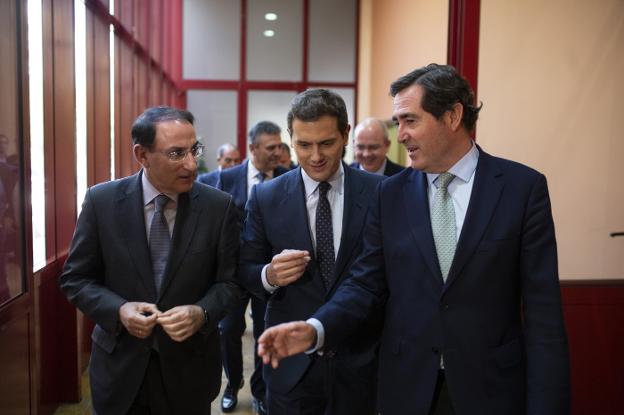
(159, 240)
(261, 177)
(325, 236)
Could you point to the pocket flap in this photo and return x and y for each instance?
(104, 339)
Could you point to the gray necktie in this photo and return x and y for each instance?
(159, 240)
(443, 224)
(325, 236)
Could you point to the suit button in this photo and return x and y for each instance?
(435, 350)
(444, 306)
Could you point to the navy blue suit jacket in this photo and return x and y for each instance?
(497, 321)
(210, 178)
(277, 219)
(234, 182)
(390, 170)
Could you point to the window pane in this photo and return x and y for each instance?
(37, 175)
(274, 41)
(11, 190)
(80, 51)
(332, 41)
(215, 121)
(270, 106)
(211, 39)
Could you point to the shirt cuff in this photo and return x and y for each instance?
(320, 335)
(265, 282)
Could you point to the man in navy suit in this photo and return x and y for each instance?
(473, 320)
(153, 264)
(227, 156)
(286, 262)
(264, 154)
(370, 147)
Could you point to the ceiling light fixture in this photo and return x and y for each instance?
(270, 17)
(268, 33)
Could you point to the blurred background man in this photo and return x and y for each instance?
(227, 156)
(370, 146)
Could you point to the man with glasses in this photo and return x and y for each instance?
(370, 148)
(153, 264)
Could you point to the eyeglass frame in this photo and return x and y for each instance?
(197, 148)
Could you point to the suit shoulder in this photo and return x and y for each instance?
(209, 178)
(392, 168)
(211, 194)
(364, 176)
(514, 168)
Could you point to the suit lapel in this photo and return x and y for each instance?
(355, 201)
(131, 220)
(487, 188)
(239, 193)
(293, 206)
(416, 203)
(187, 215)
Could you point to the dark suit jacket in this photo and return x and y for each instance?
(109, 264)
(234, 182)
(277, 219)
(390, 170)
(497, 320)
(210, 178)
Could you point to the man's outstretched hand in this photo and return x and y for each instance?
(285, 340)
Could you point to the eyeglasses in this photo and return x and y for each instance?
(179, 155)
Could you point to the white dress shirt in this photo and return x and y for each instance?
(335, 196)
(252, 176)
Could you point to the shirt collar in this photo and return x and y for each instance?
(463, 169)
(253, 171)
(336, 181)
(380, 171)
(150, 192)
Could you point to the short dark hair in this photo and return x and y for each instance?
(312, 104)
(144, 127)
(443, 87)
(263, 127)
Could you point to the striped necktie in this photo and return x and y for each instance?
(159, 240)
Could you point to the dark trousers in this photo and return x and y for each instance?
(328, 388)
(442, 404)
(231, 329)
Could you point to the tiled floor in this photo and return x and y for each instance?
(244, 396)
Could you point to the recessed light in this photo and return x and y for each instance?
(270, 16)
(268, 33)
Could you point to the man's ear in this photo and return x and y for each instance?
(454, 116)
(140, 155)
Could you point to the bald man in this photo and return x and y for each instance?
(370, 146)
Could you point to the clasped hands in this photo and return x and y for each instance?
(179, 323)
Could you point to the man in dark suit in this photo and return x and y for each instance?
(370, 147)
(285, 259)
(227, 156)
(461, 252)
(264, 153)
(153, 264)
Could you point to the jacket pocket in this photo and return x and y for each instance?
(509, 354)
(105, 340)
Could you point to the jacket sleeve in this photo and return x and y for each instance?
(82, 279)
(255, 248)
(548, 378)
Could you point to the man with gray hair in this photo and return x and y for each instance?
(262, 164)
(370, 147)
(227, 156)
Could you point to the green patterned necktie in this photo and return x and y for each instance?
(443, 224)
